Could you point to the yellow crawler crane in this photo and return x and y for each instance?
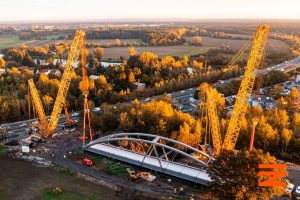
(243, 96)
(46, 128)
(38, 106)
(213, 119)
(65, 82)
(246, 87)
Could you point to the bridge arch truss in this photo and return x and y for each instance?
(159, 147)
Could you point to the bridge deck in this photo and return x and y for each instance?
(149, 162)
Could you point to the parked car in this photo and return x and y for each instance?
(297, 192)
(87, 162)
(289, 188)
(23, 124)
(285, 92)
(97, 109)
(75, 114)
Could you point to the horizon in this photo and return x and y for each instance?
(92, 10)
(149, 20)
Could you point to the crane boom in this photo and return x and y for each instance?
(213, 120)
(38, 106)
(65, 82)
(246, 87)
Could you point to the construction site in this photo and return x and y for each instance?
(151, 166)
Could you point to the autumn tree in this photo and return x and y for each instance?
(132, 51)
(131, 78)
(235, 176)
(14, 70)
(266, 136)
(198, 66)
(197, 40)
(280, 118)
(98, 53)
(60, 49)
(118, 42)
(286, 135)
(277, 90)
(185, 61)
(296, 124)
(293, 100)
(148, 59)
(2, 63)
(48, 100)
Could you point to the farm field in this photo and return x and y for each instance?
(114, 53)
(273, 45)
(161, 51)
(13, 41)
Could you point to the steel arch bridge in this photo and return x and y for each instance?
(156, 153)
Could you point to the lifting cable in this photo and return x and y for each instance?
(240, 52)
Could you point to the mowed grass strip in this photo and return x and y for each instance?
(3, 151)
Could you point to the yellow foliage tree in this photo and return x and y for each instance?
(44, 79)
(293, 100)
(132, 51)
(98, 52)
(148, 59)
(281, 118)
(47, 101)
(286, 134)
(14, 70)
(2, 62)
(118, 42)
(131, 78)
(197, 40)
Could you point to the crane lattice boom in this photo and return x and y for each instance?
(213, 119)
(38, 106)
(246, 87)
(65, 82)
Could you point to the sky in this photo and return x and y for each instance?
(68, 10)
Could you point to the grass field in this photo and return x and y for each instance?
(3, 151)
(64, 195)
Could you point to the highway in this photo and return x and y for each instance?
(285, 67)
(19, 129)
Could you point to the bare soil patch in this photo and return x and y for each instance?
(21, 180)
